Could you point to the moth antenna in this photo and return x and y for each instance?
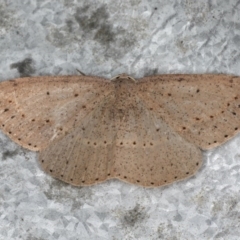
(81, 72)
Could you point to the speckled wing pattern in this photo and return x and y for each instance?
(85, 155)
(203, 109)
(148, 132)
(36, 111)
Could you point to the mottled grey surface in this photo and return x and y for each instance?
(106, 38)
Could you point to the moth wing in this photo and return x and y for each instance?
(86, 154)
(203, 109)
(148, 151)
(36, 111)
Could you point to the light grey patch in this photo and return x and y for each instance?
(200, 198)
(217, 207)
(31, 237)
(236, 157)
(63, 192)
(236, 40)
(59, 185)
(52, 215)
(237, 27)
(198, 13)
(232, 204)
(178, 218)
(68, 3)
(228, 209)
(127, 41)
(62, 37)
(221, 235)
(25, 67)
(167, 231)
(69, 24)
(232, 208)
(185, 44)
(136, 215)
(125, 38)
(82, 196)
(57, 190)
(7, 19)
(59, 38)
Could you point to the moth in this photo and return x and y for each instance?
(149, 131)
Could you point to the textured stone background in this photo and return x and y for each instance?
(105, 38)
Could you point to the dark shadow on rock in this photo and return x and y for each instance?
(25, 67)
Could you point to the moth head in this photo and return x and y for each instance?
(123, 77)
